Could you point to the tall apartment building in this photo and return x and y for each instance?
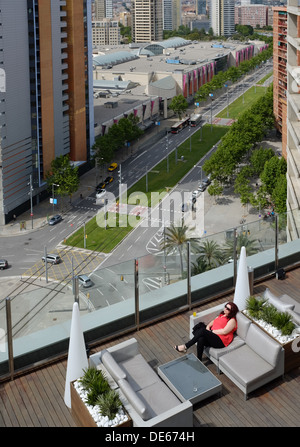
(293, 118)
(44, 99)
(221, 15)
(172, 14)
(252, 15)
(200, 7)
(105, 32)
(280, 72)
(103, 9)
(147, 20)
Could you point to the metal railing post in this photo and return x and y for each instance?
(9, 338)
(276, 242)
(136, 294)
(189, 294)
(46, 264)
(76, 290)
(234, 256)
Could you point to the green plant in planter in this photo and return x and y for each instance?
(283, 322)
(268, 313)
(254, 306)
(95, 383)
(109, 403)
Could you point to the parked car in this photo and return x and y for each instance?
(113, 166)
(85, 281)
(100, 193)
(207, 181)
(100, 186)
(55, 219)
(53, 259)
(184, 207)
(3, 264)
(202, 187)
(108, 180)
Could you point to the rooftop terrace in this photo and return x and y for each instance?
(36, 399)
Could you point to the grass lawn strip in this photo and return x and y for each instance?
(239, 106)
(105, 240)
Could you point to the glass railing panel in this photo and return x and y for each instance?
(4, 367)
(41, 315)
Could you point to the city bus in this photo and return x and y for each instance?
(195, 119)
(180, 125)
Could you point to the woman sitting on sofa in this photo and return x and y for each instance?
(217, 334)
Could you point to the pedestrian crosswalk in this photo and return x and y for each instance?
(153, 283)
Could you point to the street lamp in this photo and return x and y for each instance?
(53, 200)
(30, 193)
(226, 85)
(167, 147)
(211, 97)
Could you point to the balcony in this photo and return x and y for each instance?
(276, 404)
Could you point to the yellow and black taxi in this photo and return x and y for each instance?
(113, 166)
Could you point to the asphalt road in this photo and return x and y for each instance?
(113, 274)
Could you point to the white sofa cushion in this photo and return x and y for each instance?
(139, 373)
(134, 400)
(245, 366)
(243, 324)
(263, 345)
(159, 398)
(282, 306)
(216, 353)
(112, 366)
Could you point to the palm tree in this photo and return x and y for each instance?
(199, 266)
(242, 241)
(212, 254)
(177, 237)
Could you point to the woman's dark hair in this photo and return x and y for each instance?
(233, 310)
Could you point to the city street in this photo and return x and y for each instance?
(112, 274)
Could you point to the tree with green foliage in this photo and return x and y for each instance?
(117, 136)
(179, 105)
(259, 157)
(245, 30)
(242, 240)
(273, 169)
(177, 237)
(279, 194)
(211, 255)
(64, 175)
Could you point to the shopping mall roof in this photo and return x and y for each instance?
(118, 57)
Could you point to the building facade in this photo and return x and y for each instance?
(147, 20)
(172, 14)
(293, 118)
(221, 14)
(105, 32)
(44, 100)
(280, 72)
(252, 15)
(103, 9)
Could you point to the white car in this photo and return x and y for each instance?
(195, 194)
(202, 187)
(85, 281)
(100, 193)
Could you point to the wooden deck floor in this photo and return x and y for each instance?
(36, 399)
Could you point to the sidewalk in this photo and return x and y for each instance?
(24, 224)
